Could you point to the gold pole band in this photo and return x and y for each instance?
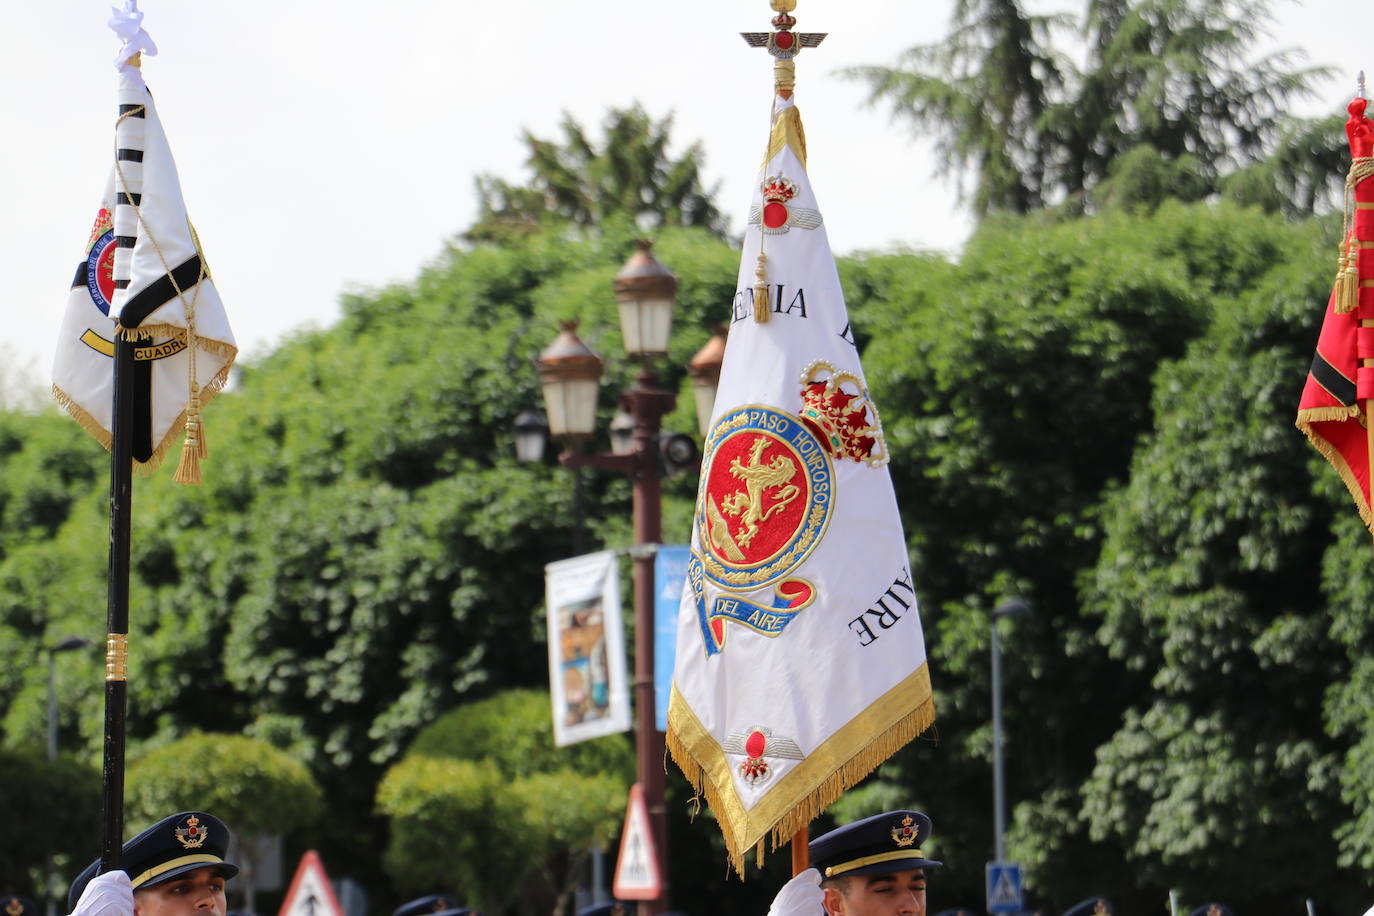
(116, 656)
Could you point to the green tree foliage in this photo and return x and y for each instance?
(633, 173)
(252, 786)
(366, 552)
(984, 90)
(48, 808)
(1167, 104)
(493, 763)
(1093, 413)
(1097, 415)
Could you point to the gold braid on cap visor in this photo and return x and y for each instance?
(163, 867)
(852, 864)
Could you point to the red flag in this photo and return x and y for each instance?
(1342, 373)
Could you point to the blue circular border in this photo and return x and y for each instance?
(821, 495)
(93, 265)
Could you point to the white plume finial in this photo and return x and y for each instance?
(127, 23)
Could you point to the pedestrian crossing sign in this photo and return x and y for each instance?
(1004, 887)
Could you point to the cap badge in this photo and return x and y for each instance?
(13, 907)
(439, 904)
(191, 836)
(904, 834)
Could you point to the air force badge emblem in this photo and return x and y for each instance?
(765, 497)
(777, 213)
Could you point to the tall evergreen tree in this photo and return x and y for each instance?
(983, 91)
(631, 173)
(1168, 103)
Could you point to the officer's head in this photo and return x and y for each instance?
(614, 908)
(17, 906)
(1212, 909)
(875, 867)
(425, 906)
(178, 858)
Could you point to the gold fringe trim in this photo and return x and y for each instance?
(204, 344)
(851, 753)
(788, 133)
(102, 435)
(1320, 414)
(1329, 414)
(81, 416)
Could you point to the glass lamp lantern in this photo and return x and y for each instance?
(529, 436)
(704, 370)
(645, 291)
(570, 374)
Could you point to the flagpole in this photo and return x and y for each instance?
(801, 851)
(129, 143)
(117, 616)
(783, 44)
(1365, 322)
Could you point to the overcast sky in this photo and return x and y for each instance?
(327, 147)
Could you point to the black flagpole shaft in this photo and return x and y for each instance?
(116, 649)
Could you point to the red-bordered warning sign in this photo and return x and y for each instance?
(636, 868)
(310, 893)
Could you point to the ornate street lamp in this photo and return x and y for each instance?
(622, 433)
(570, 374)
(704, 371)
(530, 432)
(645, 291)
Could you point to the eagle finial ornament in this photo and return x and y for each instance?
(783, 43)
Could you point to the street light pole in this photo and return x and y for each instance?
(647, 405)
(569, 372)
(1008, 608)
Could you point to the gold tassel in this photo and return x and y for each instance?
(761, 296)
(758, 855)
(1348, 280)
(1340, 284)
(193, 449)
(188, 471)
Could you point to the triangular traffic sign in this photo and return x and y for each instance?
(636, 868)
(310, 893)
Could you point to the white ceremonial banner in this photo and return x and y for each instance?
(800, 657)
(586, 648)
(168, 306)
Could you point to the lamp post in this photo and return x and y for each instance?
(66, 645)
(570, 373)
(1010, 608)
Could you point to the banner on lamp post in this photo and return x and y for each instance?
(586, 648)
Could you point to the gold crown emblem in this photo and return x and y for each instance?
(904, 834)
(840, 417)
(191, 836)
(14, 907)
(777, 189)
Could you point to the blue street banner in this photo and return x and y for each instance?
(670, 571)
